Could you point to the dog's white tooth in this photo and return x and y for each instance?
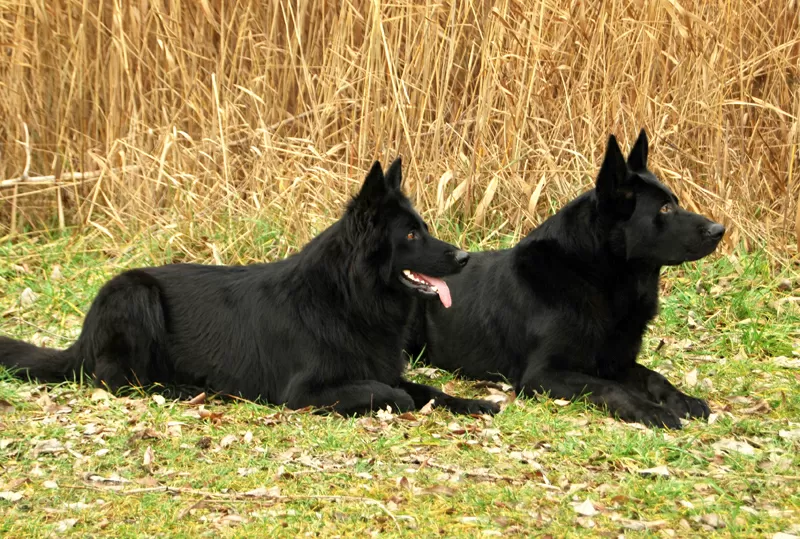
(407, 273)
(435, 289)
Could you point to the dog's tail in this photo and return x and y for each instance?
(36, 362)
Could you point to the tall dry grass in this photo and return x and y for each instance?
(117, 114)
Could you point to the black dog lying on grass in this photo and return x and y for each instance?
(322, 328)
(564, 311)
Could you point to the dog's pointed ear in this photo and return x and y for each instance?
(637, 159)
(374, 186)
(613, 172)
(394, 176)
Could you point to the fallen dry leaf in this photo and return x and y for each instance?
(147, 459)
(228, 440)
(455, 428)
(159, 399)
(100, 394)
(427, 409)
(713, 520)
(55, 273)
(63, 525)
(6, 407)
(658, 470)
(762, 407)
(27, 298)
(48, 446)
(690, 379)
(640, 525)
(786, 363)
(213, 417)
(50, 484)
(385, 414)
(197, 399)
(437, 489)
(113, 478)
(264, 492)
(728, 445)
(10, 496)
(174, 429)
(789, 434)
(586, 508)
(561, 402)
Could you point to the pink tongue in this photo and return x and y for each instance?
(441, 286)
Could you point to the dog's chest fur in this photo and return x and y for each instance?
(633, 303)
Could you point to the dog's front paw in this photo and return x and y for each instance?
(652, 415)
(686, 406)
(471, 406)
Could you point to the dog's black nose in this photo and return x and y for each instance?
(462, 257)
(716, 231)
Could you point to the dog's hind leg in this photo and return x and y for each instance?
(609, 394)
(123, 336)
(659, 389)
(423, 394)
(359, 397)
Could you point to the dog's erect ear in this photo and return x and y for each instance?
(637, 159)
(613, 171)
(394, 176)
(614, 193)
(374, 186)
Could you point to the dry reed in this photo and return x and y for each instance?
(161, 111)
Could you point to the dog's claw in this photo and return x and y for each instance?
(655, 416)
(688, 407)
(472, 406)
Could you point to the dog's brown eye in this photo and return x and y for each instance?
(411, 235)
(666, 208)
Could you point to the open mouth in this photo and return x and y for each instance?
(428, 286)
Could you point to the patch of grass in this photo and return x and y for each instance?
(76, 461)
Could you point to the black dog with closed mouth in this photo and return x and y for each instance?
(564, 311)
(322, 328)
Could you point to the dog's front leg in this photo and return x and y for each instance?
(350, 398)
(640, 378)
(423, 394)
(608, 394)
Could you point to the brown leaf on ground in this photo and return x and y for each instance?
(63, 525)
(657, 471)
(48, 446)
(100, 394)
(147, 459)
(228, 440)
(455, 428)
(427, 409)
(264, 492)
(586, 508)
(213, 417)
(6, 407)
(197, 399)
(730, 446)
(10, 496)
(641, 525)
(762, 407)
(145, 434)
(441, 490)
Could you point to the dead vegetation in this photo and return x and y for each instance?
(123, 114)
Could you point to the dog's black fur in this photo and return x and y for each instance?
(564, 311)
(323, 328)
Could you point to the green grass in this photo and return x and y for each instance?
(720, 336)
